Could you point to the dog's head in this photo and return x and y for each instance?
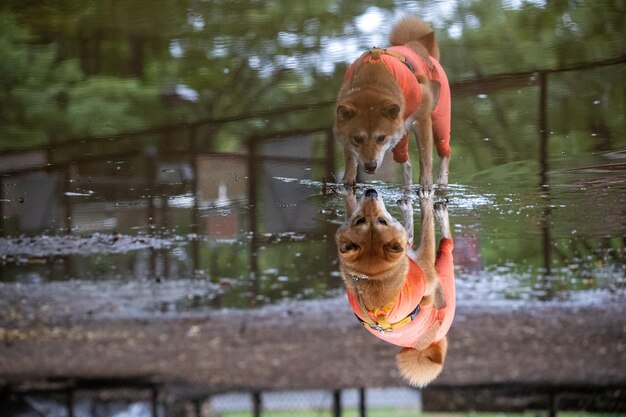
(368, 123)
(370, 241)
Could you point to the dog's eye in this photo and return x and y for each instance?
(360, 221)
(347, 247)
(382, 221)
(358, 139)
(380, 139)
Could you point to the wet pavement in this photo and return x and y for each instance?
(199, 248)
(317, 344)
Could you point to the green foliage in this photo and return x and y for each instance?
(101, 67)
(584, 109)
(31, 87)
(104, 106)
(45, 99)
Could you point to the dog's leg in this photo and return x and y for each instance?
(426, 249)
(349, 201)
(405, 203)
(444, 169)
(407, 175)
(423, 130)
(407, 168)
(349, 175)
(426, 254)
(407, 214)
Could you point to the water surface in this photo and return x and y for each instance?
(185, 157)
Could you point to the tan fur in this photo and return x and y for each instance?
(411, 29)
(369, 114)
(419, 367)
(373, 249)
(379, 252)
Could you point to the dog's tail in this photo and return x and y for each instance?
(419, 367)
(414, 29)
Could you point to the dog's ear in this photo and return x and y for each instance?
(345, 113)
(391, 111)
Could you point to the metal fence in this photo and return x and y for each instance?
(90, 399)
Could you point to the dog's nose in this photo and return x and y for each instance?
(370, 167)
(371, 193)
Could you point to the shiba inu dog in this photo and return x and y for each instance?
(388, 91)
(402, 296)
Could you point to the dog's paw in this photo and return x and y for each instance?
(347, 190)
(441, 215)
(441, 212)
(349, 180)
(441, 206)
(405, 203)
(426, 187)
(425, 193)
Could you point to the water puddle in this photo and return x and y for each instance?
(224, 244)
(207, 191)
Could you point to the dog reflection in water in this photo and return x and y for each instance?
(402, 296)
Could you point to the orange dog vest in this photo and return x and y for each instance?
(404, 322)
(404, 64)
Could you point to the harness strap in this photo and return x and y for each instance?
(375, 54)
(381, 324)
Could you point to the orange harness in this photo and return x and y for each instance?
(404, 322)
(404, 64)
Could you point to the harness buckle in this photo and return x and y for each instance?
(357, 278)
(376, 52)
(380, 329)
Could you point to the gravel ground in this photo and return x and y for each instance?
(301, 345)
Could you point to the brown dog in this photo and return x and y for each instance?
(402, 296)
(387, 91)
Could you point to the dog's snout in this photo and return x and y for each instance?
(371, 193)
(370, 167)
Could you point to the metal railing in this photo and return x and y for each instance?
(110, 397)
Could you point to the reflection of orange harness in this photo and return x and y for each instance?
(404, 322)
(404, 64)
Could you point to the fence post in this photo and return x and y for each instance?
(69, 402)
(257, 404)
(154, 400)
(543, 127)
(544, 165)
(253, 218)
(362, 409)
(553, 405)
(337, 403)
(330, 156)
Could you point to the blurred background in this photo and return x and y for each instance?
(168, 208)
